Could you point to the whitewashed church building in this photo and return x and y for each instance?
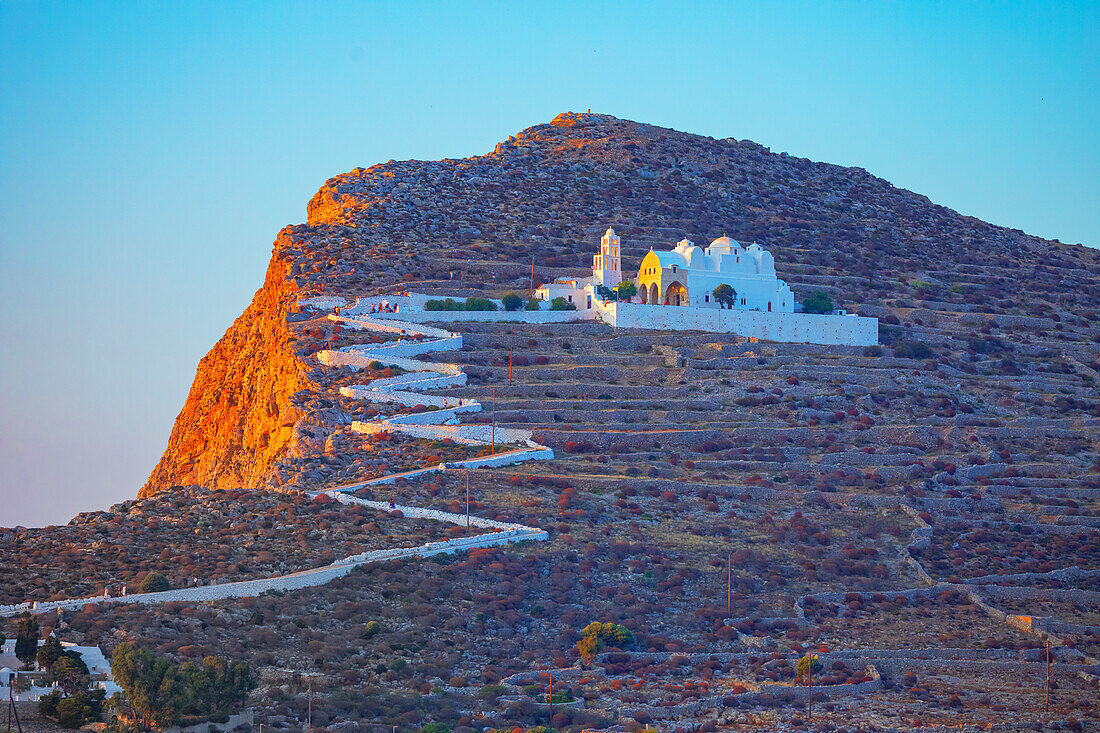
(688, 275)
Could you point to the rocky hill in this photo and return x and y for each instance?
(258, 413)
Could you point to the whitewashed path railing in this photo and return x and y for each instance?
(420, 425)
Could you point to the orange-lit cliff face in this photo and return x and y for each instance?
(238, 417)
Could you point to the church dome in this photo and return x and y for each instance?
(723, 242)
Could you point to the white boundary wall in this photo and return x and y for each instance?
(520, 316)
(807, 328)
(506, 534)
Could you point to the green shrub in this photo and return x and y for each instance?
(912, 350)
(561, 304)
(154, 582)
(532, 304)
(818, 302)
(450, 304)
(372, 628)
(511, 302)
(480, 304)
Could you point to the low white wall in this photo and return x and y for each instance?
(362, 361)
(806, 328)
(520, 316)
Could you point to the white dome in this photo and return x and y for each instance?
(724, 243)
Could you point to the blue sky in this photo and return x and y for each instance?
(149, 153)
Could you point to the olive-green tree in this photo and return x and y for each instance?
(818, 302)
(725, 295)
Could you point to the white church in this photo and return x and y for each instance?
(685, 276)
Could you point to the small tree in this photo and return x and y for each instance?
(511, 302)
(154, 582)
(596, 634)
(804, 665)
(725, 295)
(70, 673)
(818, 302)
(561, 304)
(605, 292)
(26, 649)
(626, 290)
(533, 304)
(49, 652)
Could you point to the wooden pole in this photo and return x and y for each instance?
(551, 698)
(511, 345)
(729, 584)
(494, 393)
(467, 500)
(531, 292)
(810, 679)
(1048, 672)
(309, 717)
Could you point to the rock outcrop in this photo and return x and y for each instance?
(240, 415)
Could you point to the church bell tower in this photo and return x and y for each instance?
(606, 266)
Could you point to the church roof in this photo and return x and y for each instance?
(668, 259)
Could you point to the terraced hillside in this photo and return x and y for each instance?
(924, 514)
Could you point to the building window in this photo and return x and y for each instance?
(706, 298)
(570, 298)
(742, 301)
(589, 302)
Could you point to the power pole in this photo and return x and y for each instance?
(531, 292)
(551, 698)
(494, 393)
(467, 499)
(811, 658)
(1048, 672)
(511, 344)
(729, 584)
(13, 709)
(309, 714)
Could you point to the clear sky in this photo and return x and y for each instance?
(149, 153)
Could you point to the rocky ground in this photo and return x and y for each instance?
(196, 537)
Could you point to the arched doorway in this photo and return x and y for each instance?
(654, 294)
(676, 294)
(643, 294)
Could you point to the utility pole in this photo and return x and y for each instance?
(531, 292)
(309, 715)
(551, 698)
(810, 678)
(494, 393)
(1048, 672)
(467, 499)
(729, 584)
(13, 709)
(511, 344)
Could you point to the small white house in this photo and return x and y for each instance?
(580, 291)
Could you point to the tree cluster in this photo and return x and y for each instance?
(160, 693)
